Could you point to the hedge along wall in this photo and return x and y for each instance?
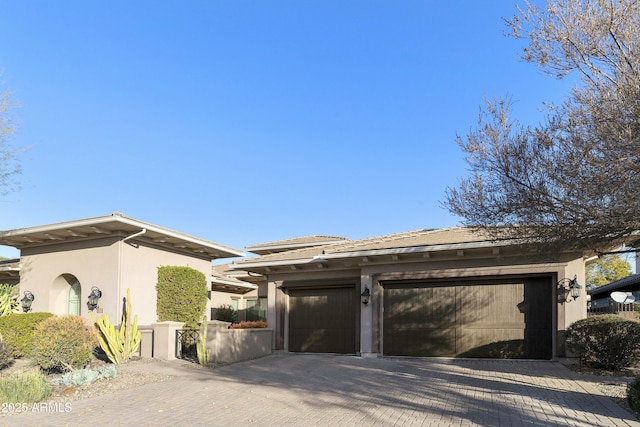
(182, 295)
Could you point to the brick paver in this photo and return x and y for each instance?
(328, 390)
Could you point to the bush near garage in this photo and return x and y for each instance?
(226, 313)
(63, 343)
(182, 295)
(259, 324)
(17, 331)
(5, 354)
(605, 341)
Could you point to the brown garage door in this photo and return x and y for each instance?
(322, 320)
(493, 319)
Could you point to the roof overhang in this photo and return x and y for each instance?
(361, 258)
(231, 285)
(116, 225)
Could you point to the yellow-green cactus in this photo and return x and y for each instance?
(204, 354)
(8, 300)
(119, 345)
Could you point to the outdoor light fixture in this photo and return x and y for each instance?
(94, 296)
(571, 286)
(26, 301)
(365, 295)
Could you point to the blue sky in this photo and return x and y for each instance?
(244, 122)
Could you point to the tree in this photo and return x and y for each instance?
(8, 154)
(573, 181)
(607, 269)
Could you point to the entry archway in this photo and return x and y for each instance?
(66, 295)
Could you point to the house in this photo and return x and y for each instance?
(601, 301)
(63, 265)
(432, 292)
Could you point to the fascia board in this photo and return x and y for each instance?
(372, 252)
(234, 283)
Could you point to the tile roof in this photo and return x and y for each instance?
(423, 237)
(292, 244)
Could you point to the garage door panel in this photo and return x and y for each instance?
(509, 319)
(322, 320)
(491, 305)
(421, 307)
(418, 342)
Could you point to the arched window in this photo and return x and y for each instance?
(74, 298)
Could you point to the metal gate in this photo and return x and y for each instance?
(186, 344)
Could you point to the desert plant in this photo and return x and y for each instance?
(226, 313)
(204, 354)
(18, 332)
(63, 343)
(605, 341)
(249, 325)
(8, 299)
(24, 387)
(85, 376)
(119, 345)
(181, 295)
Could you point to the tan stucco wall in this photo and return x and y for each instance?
(110, 264)
(93, 263)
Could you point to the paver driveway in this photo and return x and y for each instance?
(328, 390)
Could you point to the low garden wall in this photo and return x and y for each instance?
(234, 345)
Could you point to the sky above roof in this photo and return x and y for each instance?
(244, 122)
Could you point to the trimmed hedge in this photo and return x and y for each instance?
(182, 295)
(63, 343)
(605, 341)
(17, 331)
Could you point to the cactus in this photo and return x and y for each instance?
(204, 354)
(119, 345)
(8, 300)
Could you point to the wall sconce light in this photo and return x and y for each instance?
(365, 296)
(94, 296)
(26, 301)
(571, 286)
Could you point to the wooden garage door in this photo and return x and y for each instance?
(493, 319)
(322, 320)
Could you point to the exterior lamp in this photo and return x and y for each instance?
(26, 301)
(571, 286)
(94, 296)
(365, 296)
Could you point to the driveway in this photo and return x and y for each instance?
(328, 390)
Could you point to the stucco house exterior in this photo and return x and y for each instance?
(61, 263)
(443, 292)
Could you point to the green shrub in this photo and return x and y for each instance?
(226, 313)
(17, 331)
(24, 387)
(633, 394)
(63, 343)
(249, 325)
(182, 295)
(5, 355)
(605, 341)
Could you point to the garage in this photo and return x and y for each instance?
(323, 320)
(501, 318)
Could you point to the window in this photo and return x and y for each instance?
(234, 303)
(74, 298)
(257, 309)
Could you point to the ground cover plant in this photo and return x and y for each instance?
(24, 387)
